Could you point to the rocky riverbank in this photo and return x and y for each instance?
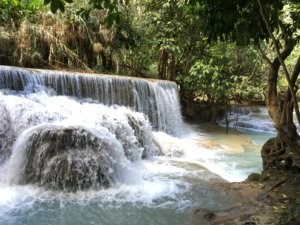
(270, 198)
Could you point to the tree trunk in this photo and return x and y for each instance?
(172, 68)
(163, 63)
(104, 60)
(274, 100)
(282, 152)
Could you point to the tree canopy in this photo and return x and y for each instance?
(240, 21)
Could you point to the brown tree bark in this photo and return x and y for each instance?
(274, 100)
(163, 63)
(282, 152)
(172, 74)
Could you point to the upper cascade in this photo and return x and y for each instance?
(156, 99)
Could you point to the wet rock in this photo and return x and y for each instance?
(201, 216)
(7, 134)
(204, 214)
(66, 158)
(141, 131)
(209, 144)
(249, 223)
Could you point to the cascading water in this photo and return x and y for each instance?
(88, 149)
(255, 118)
(156, 99)
(55, 132)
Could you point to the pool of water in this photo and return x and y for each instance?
(233, 155)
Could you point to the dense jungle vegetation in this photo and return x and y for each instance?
(155, 39)
(217, 51)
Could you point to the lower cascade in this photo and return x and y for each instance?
(68, 144)
(70, 158)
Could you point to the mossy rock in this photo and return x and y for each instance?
(254, 177)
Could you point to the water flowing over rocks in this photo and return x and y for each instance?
(156, 99)
(59, 150)
(77, 131)
(6, 134)
(93, 135)
(255, 118)
(65, 158)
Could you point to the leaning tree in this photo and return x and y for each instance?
(277, 24)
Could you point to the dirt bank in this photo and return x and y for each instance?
(271, 198)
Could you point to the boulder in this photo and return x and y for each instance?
(67, 158)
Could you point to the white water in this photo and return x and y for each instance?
(157, 178)
(154, 98)
(257, 119)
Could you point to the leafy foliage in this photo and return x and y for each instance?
(207, 81)
(229, 73)
(173, 36)
(13, 11)
(69, 40)
(274, 22)
(240, 21)
(110, 6)
(167, 39)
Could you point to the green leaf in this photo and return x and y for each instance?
(57, 4)
(46, 2)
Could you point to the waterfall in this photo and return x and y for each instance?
(250, 117)
(156, 99)
(80, 131)
(74, 153)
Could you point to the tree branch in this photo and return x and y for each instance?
(296, 71)
(265, 57)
